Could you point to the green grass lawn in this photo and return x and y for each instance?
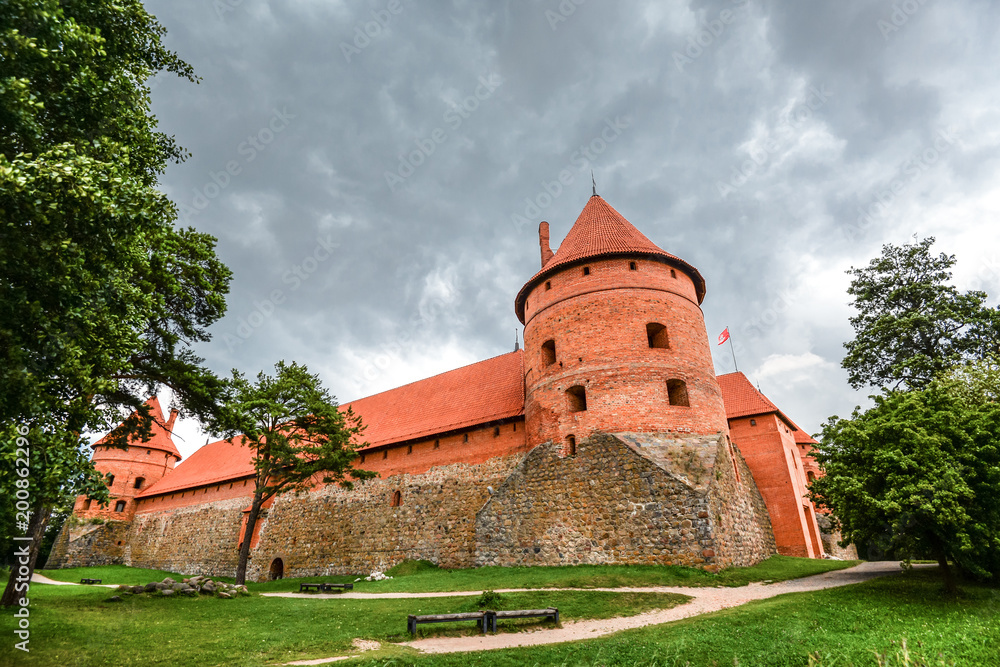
(841, 627)
(75, 626)
(115, 574)
(422, 577)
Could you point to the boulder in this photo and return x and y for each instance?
(160, 586)
(190, 592)
(168, 581)
(208, 589)
(150, 587)
(165, 592)
(138, 589)
(225, 595)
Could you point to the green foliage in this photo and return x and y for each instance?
(490, 600)
(917, 475)
(911, 324)
(297, 433)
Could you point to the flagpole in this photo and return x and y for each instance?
(732, 349)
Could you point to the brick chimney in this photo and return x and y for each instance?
(173, 418)
(543, 242)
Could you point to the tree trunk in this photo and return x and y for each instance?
(241, 567)
(25, 555)
(949, 577)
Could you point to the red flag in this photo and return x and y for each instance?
(724, 336)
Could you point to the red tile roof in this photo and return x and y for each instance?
(160, 431)
(487, 391)
(742, 399)
(601, 231)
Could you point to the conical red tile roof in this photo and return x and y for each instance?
(160, 436)
(602, 231)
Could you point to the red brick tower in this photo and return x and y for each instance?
(614, 337)
(134, 468)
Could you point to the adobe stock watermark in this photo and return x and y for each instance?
(367, 30)
(909, 173)
(21, 570)
(580, 161)
(565, 9)
(760, 156)
(706, 36)
(294, 277)
(900, 16)
(403, 340)
(424, 147)
(248, 151)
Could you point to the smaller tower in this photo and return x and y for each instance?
(134, 468)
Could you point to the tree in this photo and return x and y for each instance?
(101, 297)
(911, 324)
(918, 474)
(298, 436)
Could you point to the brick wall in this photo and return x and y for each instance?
(626, 498)
(598, 324)
(770, 451)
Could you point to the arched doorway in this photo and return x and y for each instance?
(277, 569)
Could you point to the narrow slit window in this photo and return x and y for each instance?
(586, 270)
(465, 438)
(548, 284)
(673, 274)
(496, 431)
(397, 499)
(632, 266)
(437, 444)
(385, 454)
(549, 352)
(656, 335)
(678, 393)
(577, 396)
(571, 445)
(409, 449)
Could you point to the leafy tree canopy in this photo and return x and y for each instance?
(911, 323)
(919, 473)
(297, 434)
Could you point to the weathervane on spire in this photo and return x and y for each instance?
(594, 182)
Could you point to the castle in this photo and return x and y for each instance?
(607, 439)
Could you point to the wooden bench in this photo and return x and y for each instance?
(90, 581)
(479, 616)
(493, 616)
(324, 588)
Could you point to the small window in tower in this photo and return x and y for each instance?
(139, 481)
(586, 270)
(385, 454)
(409, 449)
(120, 506)
(548, 284)
(496, 431)
(678, 393)
(86, 504)
(515, 427)
(632, 266)
(657, 336)
(571, 445)
(753, 422)
(465, 438)
(397, 499)
(673, 274)
(111, 480)
(577, 396)
(362, 458)
(148, 452)
(437, 443)
(811, 476)
(549, 352)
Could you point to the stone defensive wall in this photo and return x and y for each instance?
(628, 498)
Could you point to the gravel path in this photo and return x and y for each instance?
(705, 600)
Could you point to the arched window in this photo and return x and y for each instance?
(571, 445)
(677, 392)
(397, 499)
(577, 396)
(549, 352)
(656, 334)
(139, 481)
(120, 506)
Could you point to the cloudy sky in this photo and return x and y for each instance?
(375, 170)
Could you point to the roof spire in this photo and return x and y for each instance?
(517, 341)
(593, 182)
